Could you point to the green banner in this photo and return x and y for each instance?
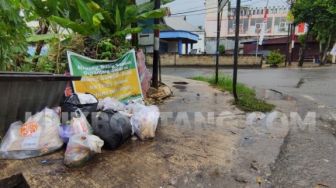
(107, 78)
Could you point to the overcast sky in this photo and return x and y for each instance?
(195, 9)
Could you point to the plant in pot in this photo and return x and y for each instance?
(275, 58)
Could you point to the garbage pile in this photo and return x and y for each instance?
(89, 125)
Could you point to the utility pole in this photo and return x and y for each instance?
(156, 53)
(291, 36)
(236, 51)
(288, 44)
(217, 44)
(220, 6)
(135, 43)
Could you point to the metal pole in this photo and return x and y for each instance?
(156, 54)
(217, 44)
(257, 47)
(236, 50)
(160, 73)
(291, 38)
(288, 44)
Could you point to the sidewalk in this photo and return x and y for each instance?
(295, 65)
(187, 151)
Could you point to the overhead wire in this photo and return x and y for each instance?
(192, 11)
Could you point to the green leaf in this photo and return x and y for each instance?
(94, 6)
(84, 11)
(85, 29)
(144, 7)
(159, 13)
(130, 13)
(128, 31)
(36, 38)
(117, 19)
(156, 26)
(97, 18)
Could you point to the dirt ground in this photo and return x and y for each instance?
(186, 152)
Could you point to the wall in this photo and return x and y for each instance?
(172, 47)
(199, 46)
(210, 44)
(171, 59)
(311, 50)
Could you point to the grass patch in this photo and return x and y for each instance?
(247, 97)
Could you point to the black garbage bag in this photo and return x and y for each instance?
(72, 103)
(112, 127)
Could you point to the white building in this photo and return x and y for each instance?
(251, 20)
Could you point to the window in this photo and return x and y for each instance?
(241, 28)
(283, 27)
(258, 27)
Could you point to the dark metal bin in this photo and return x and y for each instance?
(28, 92)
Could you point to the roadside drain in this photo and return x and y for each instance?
(15, 181)
(181, 83)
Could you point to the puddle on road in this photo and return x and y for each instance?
(181, 86)
(181, 83)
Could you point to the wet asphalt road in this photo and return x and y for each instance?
(317, 85)
(307, 158)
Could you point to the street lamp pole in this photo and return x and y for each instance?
(156, 54)
(236, 51)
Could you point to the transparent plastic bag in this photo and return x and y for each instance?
(144, 121)
(111, 104)
(85, 98)
(79, 124)
(65, 132)
(81, 148)
(36, 137)
(134, 107)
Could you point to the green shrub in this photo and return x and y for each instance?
(275, 58)
(221, 49)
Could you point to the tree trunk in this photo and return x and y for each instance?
(134, 35)
(325, 50)
(304, 46)
(135, 42)
(44, 27)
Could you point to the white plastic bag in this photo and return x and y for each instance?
(86, 98)
(81, 148)
(111, 104)
(36, 137)
(134, 107)
(144, 121)
(79, 124)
